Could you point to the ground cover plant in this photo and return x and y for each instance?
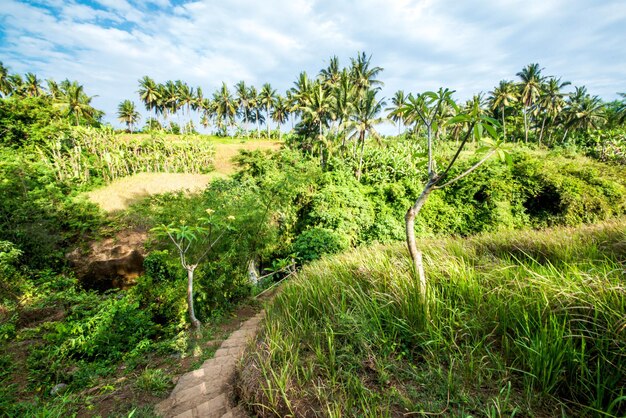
(530, 324)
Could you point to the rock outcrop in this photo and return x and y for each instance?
(112, 262)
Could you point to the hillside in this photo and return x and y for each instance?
(529, 323)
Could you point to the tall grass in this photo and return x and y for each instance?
(100, 153)
(532, 324)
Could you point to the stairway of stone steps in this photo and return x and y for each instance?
(207, 392)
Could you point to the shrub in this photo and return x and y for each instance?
(317, 241)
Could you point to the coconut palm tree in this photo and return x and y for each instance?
(330, 75)
(255, 109)
(302, 89)
(318, 110)
(502, 97)
(267, 96)
(76, 103)
(280, 113)
(18, 88)
(54, 90)
(530, 86)
(243, 103)
(551, 101)
(225, 108)
(363, 75)
(208, 110)
(363, 121)
(127, 113)
(584, 112)
(32, 85)
(149, 94)
(343, 100)
(621, 110)
(395, 110)
(5, 81)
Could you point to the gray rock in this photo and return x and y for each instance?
(58, 389)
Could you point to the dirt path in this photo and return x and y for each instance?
(208, 391)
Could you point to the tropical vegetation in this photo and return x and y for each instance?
(509, 301)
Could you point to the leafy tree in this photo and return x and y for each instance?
(428, 107)
(193, 244)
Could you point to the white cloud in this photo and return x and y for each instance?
(422, 44)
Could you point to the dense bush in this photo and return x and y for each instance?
(37, 213)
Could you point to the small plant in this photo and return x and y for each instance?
(154, 381)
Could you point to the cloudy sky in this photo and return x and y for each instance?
(465, 45)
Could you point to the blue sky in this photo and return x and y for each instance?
(465, 45)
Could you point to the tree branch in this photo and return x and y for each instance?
(458, 152)
(472, 168)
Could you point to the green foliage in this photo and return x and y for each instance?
(317, 241)
(38, 214)
(154, 381)
(115, 327)
(87, 153)
(526, 323)
(29, 121)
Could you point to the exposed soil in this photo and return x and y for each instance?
(112, 262)
(119, 194)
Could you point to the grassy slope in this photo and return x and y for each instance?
(527, 323)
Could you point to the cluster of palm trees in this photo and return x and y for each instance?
(223, 109)
(68, 96)
(536, 106)
(339, 105)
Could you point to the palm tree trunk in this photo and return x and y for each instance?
(503, 124)
(543, 125)
(267, 121)
(525, 125)
(362, 140)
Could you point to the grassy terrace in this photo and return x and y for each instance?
(526, 323)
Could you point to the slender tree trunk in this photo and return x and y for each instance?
(525, 126)
(416, 255)
(543, 125)
(258, 125)
(503, 124)
(267, 121)
(362, 139)
(192, 316)
(565, 135)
